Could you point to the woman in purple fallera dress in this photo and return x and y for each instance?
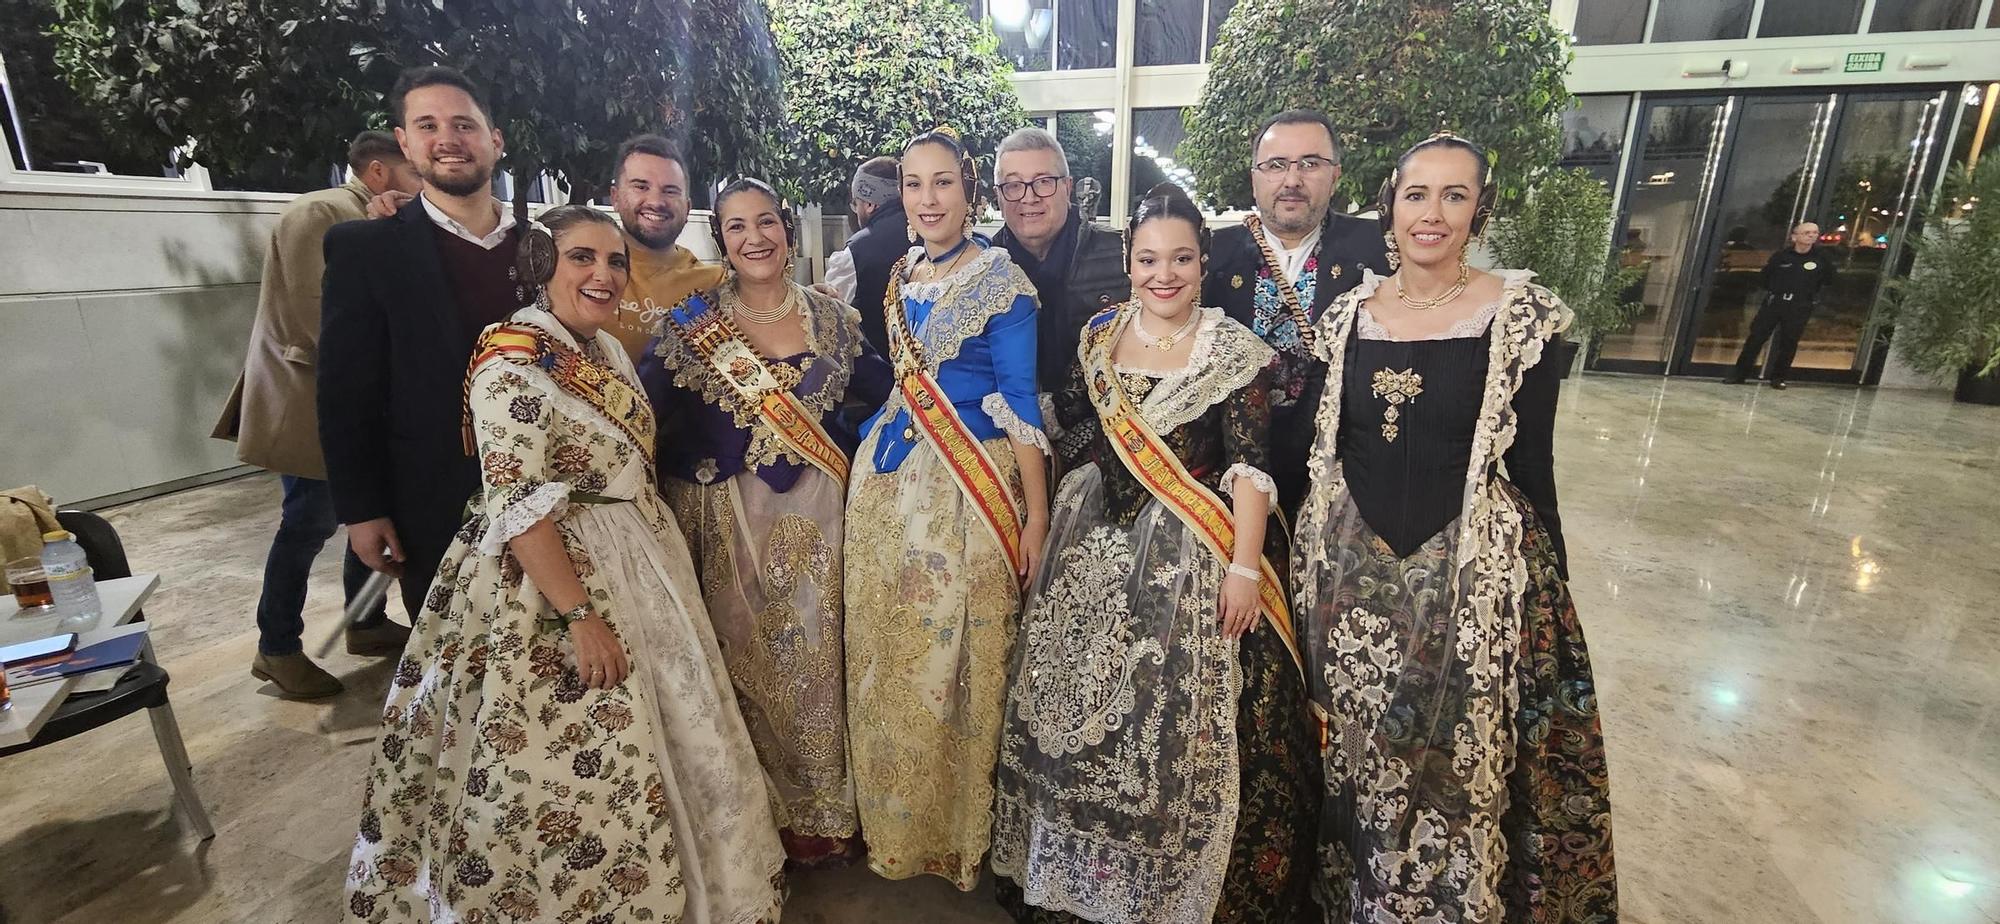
(749, 381)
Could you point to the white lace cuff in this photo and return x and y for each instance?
(1004, 417)
(1050, 425)
(521, 515)
(1258, 480)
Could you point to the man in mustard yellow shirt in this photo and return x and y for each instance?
(650, 192)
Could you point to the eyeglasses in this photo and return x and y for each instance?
(1044, 187)
(1279, 166)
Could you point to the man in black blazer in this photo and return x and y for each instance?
(403, 301)
(1294, 247)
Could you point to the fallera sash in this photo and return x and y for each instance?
(594, 383)
(1156, 466)
(933, 414)
(733, 361)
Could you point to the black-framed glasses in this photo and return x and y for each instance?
(1044, 187)
(1279, 166)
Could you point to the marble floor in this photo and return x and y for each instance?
(1790, 598)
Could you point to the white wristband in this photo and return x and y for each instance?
(1242, 571)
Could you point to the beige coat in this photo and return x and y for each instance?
(271, 413)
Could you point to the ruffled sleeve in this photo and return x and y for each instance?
(1014, 404)
(1246, 438)
(511, 420)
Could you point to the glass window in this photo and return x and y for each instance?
(1809, 17)
(1169, 32)
(1218, 11)
(1156, 138)
(1923, 15)
(1610, 22)
(62, 134)
(1594, 134)
(1086, 141)
(1702, 20)
(1026, 29)
(1086, 34)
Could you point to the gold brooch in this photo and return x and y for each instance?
(1335, 273)
(1236, 282)
(1396, 388)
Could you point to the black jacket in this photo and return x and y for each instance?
(1795, 279)
(875, 249)
(1347, 245)
(1093, 280)
(392, 362)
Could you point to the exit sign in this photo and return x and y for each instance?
(1861, 62)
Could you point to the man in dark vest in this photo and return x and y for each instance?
(1076, 265)
(860, 273)
(404, 299)
(1792, 280)
(1278, 271)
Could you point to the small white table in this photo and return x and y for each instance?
(33, 705)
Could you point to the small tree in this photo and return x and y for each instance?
(1948, 312)
(863, 76)
(1562, 231)
(570, 79)
(1389, 73)
(268, 87)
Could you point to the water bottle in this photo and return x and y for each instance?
(70, 580)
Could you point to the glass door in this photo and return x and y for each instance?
(1770, 175)
(1666, 207)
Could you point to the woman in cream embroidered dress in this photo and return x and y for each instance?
(932, 595)
(765, 523)
(560, 741)
(1465, 780)
(1158, 760)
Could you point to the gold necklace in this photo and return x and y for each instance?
(1163, 344)
(1426, 304)
(767, 315)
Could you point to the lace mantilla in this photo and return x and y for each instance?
(1258, 480)
(963, 302)
(1225, 357)
(521, 515)
(1487, 594)
(1004, 417)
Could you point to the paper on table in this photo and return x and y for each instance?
(46, 671)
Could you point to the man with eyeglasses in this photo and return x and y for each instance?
(1077, 266)
(1278, 271)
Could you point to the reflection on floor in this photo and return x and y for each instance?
(1790, 599)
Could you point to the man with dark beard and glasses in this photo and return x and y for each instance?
(403, 300)
(650, 191)
(1277, 272)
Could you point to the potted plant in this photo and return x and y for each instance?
(1562, 232)
(1947, 313)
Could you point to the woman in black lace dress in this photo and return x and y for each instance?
(1156, 758)
(1465, 775)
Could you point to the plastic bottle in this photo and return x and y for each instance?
(70, 578)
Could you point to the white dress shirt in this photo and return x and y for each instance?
(451, 224)
(1291, 260)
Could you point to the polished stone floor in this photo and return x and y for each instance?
(1790, 598)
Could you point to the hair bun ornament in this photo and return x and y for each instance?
(538, 254)
(948, 132)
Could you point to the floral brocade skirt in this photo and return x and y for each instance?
(932, 603)
(1418, 821)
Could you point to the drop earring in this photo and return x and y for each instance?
(1395, 255)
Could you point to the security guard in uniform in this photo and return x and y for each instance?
(1792, 280)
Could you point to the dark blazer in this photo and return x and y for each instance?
(392, 361)
(1347, 245)
(875, 248)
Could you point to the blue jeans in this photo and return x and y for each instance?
(303, 529)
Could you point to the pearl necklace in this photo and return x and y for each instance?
(1163, 344)
(766, 315)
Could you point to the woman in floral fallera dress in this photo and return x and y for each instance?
(1157, 761)
(561, 742)
(1465, 777)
